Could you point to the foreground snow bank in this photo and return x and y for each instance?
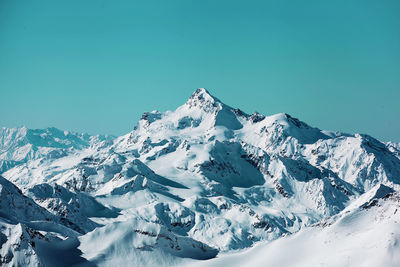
(366, 236)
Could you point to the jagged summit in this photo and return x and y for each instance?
(205, 110)
(201, 98)
(201, 108)
(203, 94)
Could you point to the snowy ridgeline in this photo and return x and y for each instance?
(204, 185)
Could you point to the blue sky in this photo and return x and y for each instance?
(96, 66)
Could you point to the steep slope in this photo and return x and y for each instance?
(25, 227)
(140, 243)
(74, 207)
(366, 235)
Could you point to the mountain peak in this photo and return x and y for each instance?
(203, 99)
(191, 182)
(201, 92)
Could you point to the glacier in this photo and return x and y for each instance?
(203, 185)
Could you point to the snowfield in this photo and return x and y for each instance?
(366, 236)
(204, 185)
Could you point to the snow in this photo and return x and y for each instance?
(205, 180)
(361, 238)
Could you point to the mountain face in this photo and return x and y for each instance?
(186, 185)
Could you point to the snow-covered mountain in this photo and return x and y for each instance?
(18, 145)
(187, 185)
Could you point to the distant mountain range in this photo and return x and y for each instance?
(203, 181)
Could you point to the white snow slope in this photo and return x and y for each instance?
(204, 185)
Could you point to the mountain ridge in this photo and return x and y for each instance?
(212, 176)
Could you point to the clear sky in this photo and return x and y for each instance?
(96, 66)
